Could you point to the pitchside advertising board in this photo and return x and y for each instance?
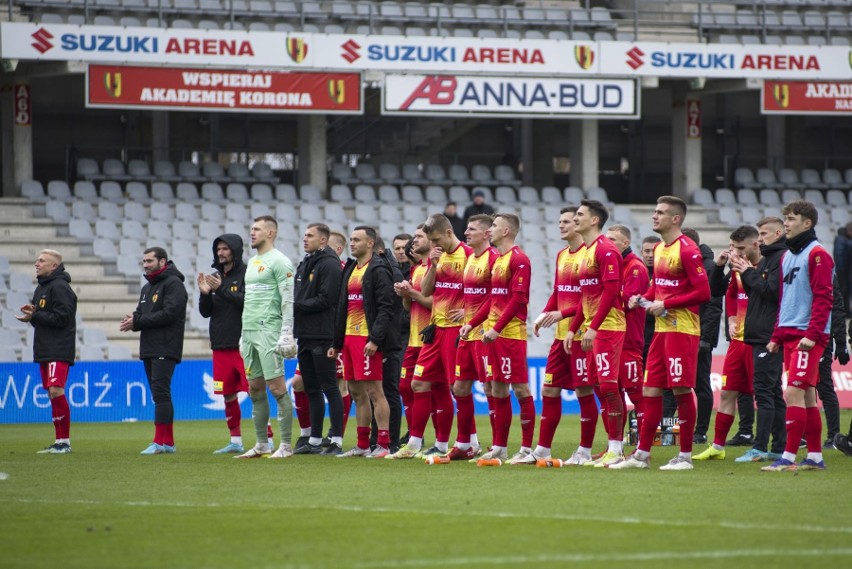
(807, 98)
(223, 90)
(118, 391)
(431, 55)
(456, 95)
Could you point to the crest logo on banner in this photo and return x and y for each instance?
(584, 55)
(337, 91)
(112, 82)
(781, 93)
(297, 49)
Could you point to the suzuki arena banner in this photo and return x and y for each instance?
(454, 95)
(118, 391)
(806, 98)
(222, 90)
(727, 61)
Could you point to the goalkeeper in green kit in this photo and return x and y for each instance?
(267, 336)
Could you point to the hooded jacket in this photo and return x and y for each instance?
(762, 285)
(55, 318)
(224, 306)
(382, 321)
(160, 315)
(316, 294)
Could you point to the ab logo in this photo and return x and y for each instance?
(789, 277)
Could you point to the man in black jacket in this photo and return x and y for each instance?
(364, 326)
(316, 294)
(53, 315)
(825, 387)
(160, 317)
(221, 300)
(762, 283)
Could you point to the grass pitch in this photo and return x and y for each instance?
(107, 506)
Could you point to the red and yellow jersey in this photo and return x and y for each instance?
(420, 315)
(477, 286)
(634, 280)
(510, 294)
(566, 287)
(736, 304)
(449, 286)
(681, 283)
(356, 321)
(601, 263)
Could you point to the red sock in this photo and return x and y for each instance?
(421, 409)
(61, 413)
(407, 399)
(686, 419)
(159, 433)
(492, 412)
(527, 421)
(169, 434)
(465, 418)
(502, 420)
(623, 408)
(383, 438)
(347, 409)
(588, 420)
(269, 431)
(303, 409)
(551, 414)
(233, 416)
(614, 417)
(723, 427)
(653, 416)
(813, 429)
(638, 400)
(363, 437)
(444, 411)
(797, 421)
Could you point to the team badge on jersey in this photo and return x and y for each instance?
(154, 298)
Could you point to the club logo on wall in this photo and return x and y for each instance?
(297, 49)
(337, 90)
(781, 93)
(112, 82)
(584, 55)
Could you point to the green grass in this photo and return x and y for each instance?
(106, 506)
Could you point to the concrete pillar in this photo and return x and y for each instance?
(527, 154)
(16, 117)
(686, 142)
(160, 135)
(776, 138)
(313, 154)
(584, 153)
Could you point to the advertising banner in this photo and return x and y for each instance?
(23, 105)
(806, 98)
(726, 61)
(222, 90)
(455, 95)
(118, 391)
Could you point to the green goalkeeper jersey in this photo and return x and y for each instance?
(269, 292)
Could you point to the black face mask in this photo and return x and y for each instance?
(801, 240)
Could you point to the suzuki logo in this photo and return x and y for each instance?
(350, 51)
(42, 39)
(635, 56)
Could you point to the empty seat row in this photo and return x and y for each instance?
(163, 170)
(770, 197)
(789, 178)
(430, 174)
(751, 39)
(786, 20)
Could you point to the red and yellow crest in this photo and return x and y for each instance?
(112, 82)
(297, 49)
(337, 90)
(781, 93)
(584, 55)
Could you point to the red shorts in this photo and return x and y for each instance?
(356, 366)
(738, 369)
(229, 372)
(437, 361)
(409, 360)
(54, 374)
(802, 366)
(470, 365)
(631, 369)
(579, 365)
(507, 360)
(604, 361)
(557, 371)
(672, 361)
